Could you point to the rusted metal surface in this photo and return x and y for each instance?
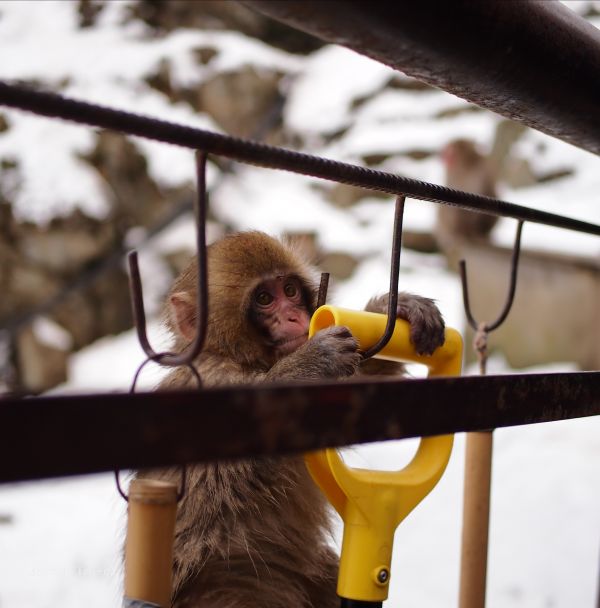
(139, 316)
(534, 61)
(323, 289)
(392, 313)
(56, 106)
(55, 436)
(514, 269)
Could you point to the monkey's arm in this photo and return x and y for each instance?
(331, 353)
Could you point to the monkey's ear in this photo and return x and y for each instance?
(182, 310)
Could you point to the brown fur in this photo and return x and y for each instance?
(468, 170)
(254, 533)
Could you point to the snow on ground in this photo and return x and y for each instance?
(61, 539)
(62, 546)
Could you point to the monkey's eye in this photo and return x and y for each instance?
(290, 290)
(264, 298)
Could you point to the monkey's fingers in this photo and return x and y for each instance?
(426, 323)
(337, 349)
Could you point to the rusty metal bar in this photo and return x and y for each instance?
(534, 61)
(135, 284)
(55, 436)
(392, 311)
(514, 269)
(323, 289)
(56, 106)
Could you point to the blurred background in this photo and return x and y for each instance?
(73, 200)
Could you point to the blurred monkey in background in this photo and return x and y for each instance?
(469, 170)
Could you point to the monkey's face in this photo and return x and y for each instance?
(460, 153)
(279, 310)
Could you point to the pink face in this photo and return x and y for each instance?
(281, 312)
(449, 154)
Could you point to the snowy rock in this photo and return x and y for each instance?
(240, 102)
(42, 365)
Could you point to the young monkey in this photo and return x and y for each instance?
(254, 533)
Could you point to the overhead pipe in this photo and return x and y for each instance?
(533, 61)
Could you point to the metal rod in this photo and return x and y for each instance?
(56, 106)
(135, 283)
(514, 268)
(80, 434)
(346, 603)
(536, 62)
(392, 314)
(323, 288)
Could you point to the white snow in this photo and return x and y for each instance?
(52, 334)
(50, 182)
(62, 546)
(340, 76)
(110, 364)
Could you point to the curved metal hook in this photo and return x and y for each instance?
(394, 278)
(511, 291)
(182, 486)
(191, 368)
(135, 285)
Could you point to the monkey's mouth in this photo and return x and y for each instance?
(289, 345)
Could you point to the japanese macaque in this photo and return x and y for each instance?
(468, 170)
(254, 533)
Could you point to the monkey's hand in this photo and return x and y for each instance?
(330, 353)
(426, 321)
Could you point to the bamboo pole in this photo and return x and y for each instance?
(149, 545)
(476, 515)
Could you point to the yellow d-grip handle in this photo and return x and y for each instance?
(368, 327)
(373, 503)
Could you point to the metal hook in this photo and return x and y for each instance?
(511, 292)
(323, 287)
(182, 487)
(180, 491)
(394, 278)
(194, 372)
(135, 285)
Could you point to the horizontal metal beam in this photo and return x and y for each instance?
(57, 106)
(534, 61)
(55, 436)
